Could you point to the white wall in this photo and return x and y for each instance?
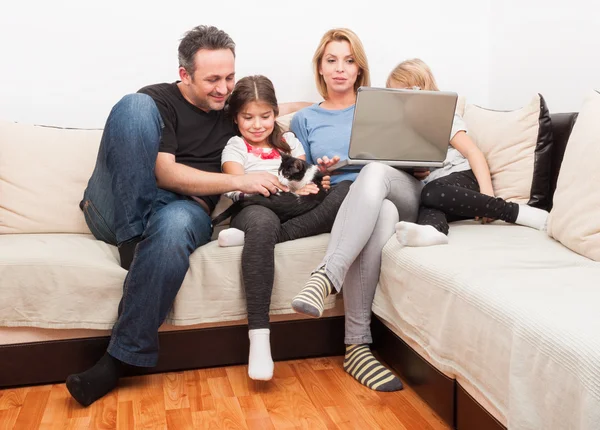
(67, 62)
(546, 46)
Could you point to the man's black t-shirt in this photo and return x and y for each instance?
(195, 137)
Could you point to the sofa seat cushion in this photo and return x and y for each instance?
(58, 281)
(507, 309)
(212, 289)
(75, 281)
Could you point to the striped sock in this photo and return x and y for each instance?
(311, 300)
(364, 367)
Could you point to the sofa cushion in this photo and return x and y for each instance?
(284, 121)
(43, 173)
(562, 125)
(507, 309)
(75, 281)
(517, 146)
(574, 219)
(213, 289)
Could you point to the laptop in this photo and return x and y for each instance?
(401, 128)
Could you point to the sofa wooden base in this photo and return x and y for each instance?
(444, 395)
(51, 362)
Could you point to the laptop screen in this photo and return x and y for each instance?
(402, 125)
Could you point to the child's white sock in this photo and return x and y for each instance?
(411, 234)
(231, 237)
(260, 363)
(532, 217)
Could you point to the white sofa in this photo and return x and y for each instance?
(506, 312)
(54, 274)
(60, 287)
(510, 313)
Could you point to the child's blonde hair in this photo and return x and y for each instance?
(412, 73)
(358, 52)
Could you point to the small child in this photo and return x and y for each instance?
(253, 107)
(462, 188)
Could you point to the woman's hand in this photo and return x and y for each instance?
(421, 174)
(325, 163)
(308, 189)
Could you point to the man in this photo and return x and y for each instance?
(159, 147)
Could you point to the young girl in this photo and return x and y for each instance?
(253, 107)
(462, 188)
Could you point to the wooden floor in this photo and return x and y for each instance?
(304, 394)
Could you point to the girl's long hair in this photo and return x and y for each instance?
(257, 88)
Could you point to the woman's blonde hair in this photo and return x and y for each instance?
(357, 50)
(412, 73)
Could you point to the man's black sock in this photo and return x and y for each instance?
(127, 250)
(89, 386)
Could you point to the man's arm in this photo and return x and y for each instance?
(188, 181)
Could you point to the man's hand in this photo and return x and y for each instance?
(258, 183)
(325, 163)
(308, 189)
(421, 174)
(326, 182)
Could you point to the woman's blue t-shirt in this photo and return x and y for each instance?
(325, 133)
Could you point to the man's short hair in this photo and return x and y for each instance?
(202, 37)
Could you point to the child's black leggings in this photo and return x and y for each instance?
(262, 232)
(455, 197)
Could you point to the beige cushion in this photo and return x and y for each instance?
(43, 173)
(508, 140)
(75, 281)
(460, 106)
(284, 121)
(213, 289)
(59, 281)
(575, 216)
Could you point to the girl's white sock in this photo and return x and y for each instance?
(532, 217)
(260, 363)
(411, 234)
(231, 237)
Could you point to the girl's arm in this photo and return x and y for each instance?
(232, 168)
(465, 145)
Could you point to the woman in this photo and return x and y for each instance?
(377, 200)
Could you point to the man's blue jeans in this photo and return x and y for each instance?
(122, 202)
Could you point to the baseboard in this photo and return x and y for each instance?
(444, 395)
(51, 362)
(429, 383)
